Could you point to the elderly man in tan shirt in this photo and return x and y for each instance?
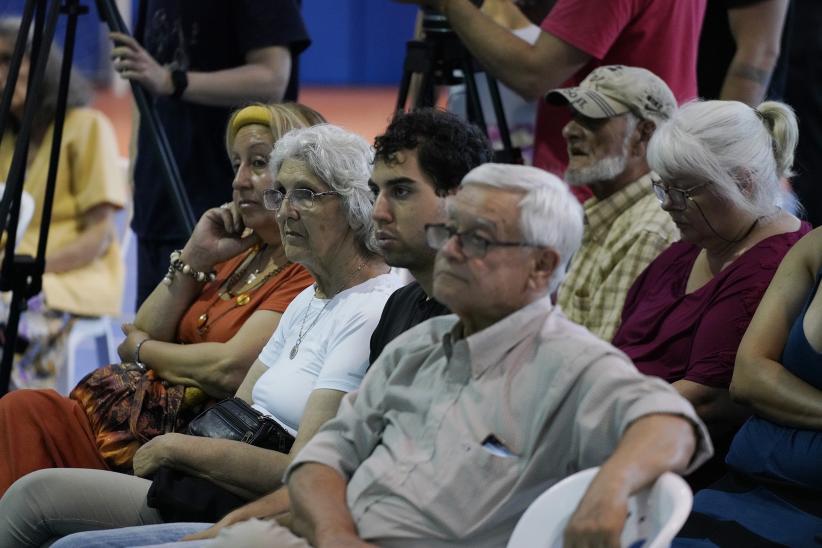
(465, 419)
(615, 111)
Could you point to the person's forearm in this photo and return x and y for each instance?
(776, 394)
(319, 505)
(92, 243)
(272, 505)
(216, 368)
(511, 60)
(160, 313)
(651, 446)
(243, 469)
(747, 82)
(237, 86)
(756, 29)
(714, 406)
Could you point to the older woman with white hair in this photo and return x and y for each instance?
(318, 353)
(721, 166)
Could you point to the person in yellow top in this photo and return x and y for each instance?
(84, 273)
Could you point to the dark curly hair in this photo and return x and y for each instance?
(447, 146)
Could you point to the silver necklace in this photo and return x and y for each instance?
(302, 334)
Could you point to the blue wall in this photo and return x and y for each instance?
(354, 42)
(90, 48)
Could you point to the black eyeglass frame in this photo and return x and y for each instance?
(662, 191)
(478, 253)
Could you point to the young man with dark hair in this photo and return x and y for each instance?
(421, 158)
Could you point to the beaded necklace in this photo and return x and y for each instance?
(254, 281)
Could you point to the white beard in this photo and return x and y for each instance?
(605, 169)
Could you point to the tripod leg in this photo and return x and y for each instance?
(73, 9)
(148, 115)
(426, 93)
(510, 154)
(402, 95)
(12, 192)
(473, 104)
(18, 305)
(19, 161)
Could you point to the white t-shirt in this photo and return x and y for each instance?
(333, 352)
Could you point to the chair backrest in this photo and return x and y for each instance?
(655, 514)
(26, 211)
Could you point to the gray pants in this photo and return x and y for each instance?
(48, 504)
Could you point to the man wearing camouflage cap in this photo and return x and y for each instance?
(615, 110)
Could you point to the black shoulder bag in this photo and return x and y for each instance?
(179, 496)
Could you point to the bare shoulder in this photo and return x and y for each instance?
(806, 255)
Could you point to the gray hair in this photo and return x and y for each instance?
(343, 161)
(728, 144)
(79, 91)
(550, 215)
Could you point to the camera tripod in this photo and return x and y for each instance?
(442, 59)
(23, 274)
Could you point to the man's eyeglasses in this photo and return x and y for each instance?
(472, 245)
(677, 197)
(301, 198)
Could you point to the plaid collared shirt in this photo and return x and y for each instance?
(623, 234)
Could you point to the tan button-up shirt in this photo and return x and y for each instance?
(623, 234)
(450, 438)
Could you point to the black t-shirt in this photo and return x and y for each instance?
(201, 35)
(717, 49)
(404, 309)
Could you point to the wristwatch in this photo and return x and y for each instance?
(179, 80)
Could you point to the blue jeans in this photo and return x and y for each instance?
(124, 537)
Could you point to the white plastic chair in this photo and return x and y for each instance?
(655, 515)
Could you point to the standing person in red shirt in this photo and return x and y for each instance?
(578, 36)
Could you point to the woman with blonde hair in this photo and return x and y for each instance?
(317, 354)
(192, 340)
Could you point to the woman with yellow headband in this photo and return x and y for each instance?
(200, 330)
(318, 353)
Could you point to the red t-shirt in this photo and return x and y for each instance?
(659, 35)
(673, 335)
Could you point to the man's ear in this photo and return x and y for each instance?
(646, 129)
(545, 263)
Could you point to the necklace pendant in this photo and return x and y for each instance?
(201, 321)
(243, 299)
(294, 350)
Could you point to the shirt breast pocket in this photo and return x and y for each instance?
(479, 471)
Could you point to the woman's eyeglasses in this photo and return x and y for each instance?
(301, 198)
(677, 197)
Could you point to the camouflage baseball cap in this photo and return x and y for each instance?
(612, 90)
